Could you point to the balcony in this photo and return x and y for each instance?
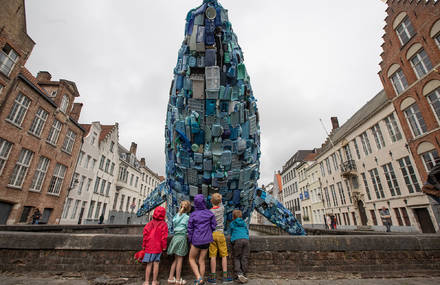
(348, 168)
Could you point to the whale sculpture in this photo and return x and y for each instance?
(212, 128)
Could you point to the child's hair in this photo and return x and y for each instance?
(185, 207)
(216, 199)
(236, 214)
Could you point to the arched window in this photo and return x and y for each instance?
(403, 27)
(419, 60)
(428, 154)
(432, 92)
(435, 32)
(413, 116)
(64, 104)
(398, 79)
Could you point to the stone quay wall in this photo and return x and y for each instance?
(272, 256)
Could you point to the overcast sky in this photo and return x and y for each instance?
(307, 60)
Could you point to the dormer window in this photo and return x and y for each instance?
(405, 31)
(64, 104)
(8, 59)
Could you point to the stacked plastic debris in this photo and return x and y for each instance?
(212, 127)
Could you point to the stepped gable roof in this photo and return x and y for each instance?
(361, 116)
(105, 130)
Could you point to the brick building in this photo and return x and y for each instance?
(410, 75)
(39, 134)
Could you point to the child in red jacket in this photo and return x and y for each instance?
(155, 241)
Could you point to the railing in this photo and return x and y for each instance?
(348, 167)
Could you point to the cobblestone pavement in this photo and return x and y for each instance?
(24, 280)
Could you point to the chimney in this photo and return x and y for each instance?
(143, 161)
(76, 111)
(133, 148)
(335, 123)
(43, 76)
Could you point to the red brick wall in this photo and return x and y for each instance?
(422, 17)
(20, 138)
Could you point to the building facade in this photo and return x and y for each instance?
(366, 166)
(290, 182)
(94, 183)
(316, 208)
(410, 75)
(40, 138)
(134, 183)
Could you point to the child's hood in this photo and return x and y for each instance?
(159, 214)
(239, 222)
(199, 202)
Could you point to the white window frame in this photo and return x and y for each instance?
(107, 165)
(367, 188)
(19, 110)
(415, 120)
(66, 208)
(69, 141)
(107, 191)
(421, 61)
(64, 103)
(75, 209)
(103, 183)
(405, 25)
(21, 168)
(377, 184)
(378, 137)
(89, 182)
(5, 150)
(97, 182)
(399, 81)
(429, 157)
(38, 122)
(55, 131)
(390, 176)
(409, 174)
(40, 174)
(91, 208)
(5, 58)
(98, 209)
(81, 184)
(393, 128)
(341, 193)
(366, 143)
(1, 88)
(101, 163)
(56, 182)
(434, 102)
(335, 198)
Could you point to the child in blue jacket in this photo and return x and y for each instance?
(240, 245)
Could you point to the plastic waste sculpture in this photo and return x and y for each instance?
(212, 128)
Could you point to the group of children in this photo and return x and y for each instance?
(203, 230)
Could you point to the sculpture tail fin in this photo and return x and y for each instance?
(276, 213)
(155, 199)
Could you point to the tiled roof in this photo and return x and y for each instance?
(361, 116)
(86, 127)
(27, 76)
(105, 130)
(26, 73)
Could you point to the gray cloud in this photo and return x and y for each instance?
(307, 60)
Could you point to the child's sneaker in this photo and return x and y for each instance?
(242, 278)
(226, 278)
(212, 279)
